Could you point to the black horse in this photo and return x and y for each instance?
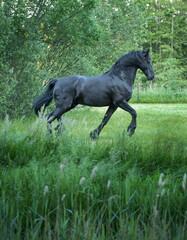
(113, 89)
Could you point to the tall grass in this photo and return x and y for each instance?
(68, 187)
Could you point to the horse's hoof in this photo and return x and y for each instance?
(94, 135)
(59, 131)
(130, 131)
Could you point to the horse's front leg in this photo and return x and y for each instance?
(95, 133)
(125, 106)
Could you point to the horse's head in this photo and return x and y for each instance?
(146, 65)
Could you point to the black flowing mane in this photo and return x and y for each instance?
(132, 58)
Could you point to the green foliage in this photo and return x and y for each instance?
(126, 195)
(171, 74)
(20, 52)
(41, 40)
(166, 37)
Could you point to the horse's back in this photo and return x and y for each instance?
(86, 90)
(102, 90)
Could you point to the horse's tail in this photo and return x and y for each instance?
(46, 98)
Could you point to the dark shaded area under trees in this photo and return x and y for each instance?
(43, 39)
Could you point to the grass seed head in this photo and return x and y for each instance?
(108, 184)
(63, 197)
(184, 181)
(112, 197)
(62, 166)
(94, 172)
(155, 211)
(160, 182)
(46, 190)
(7, 120)
(83, 179)
(162, 193)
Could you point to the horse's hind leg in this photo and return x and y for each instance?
(49, 123)
(57, 113)
(60, 126)
(95, 133)
(52, 116)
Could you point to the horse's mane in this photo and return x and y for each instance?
(131, 58)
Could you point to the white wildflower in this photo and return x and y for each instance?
(184, 182)
(94, 172)
(108, 184)
(46, 190)
(83, 179)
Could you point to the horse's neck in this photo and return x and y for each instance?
(128, 75)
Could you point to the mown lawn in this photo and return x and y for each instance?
(69, 187)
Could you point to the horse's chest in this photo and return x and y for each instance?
(125, 89)
(122, 91)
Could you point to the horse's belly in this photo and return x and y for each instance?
(95, 100)
(96, 103)
(93, 93)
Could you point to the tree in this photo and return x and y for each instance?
(37, 37)
(44, 39)
(166, 37)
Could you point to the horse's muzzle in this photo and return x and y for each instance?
(151, 77)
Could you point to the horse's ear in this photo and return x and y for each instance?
(146, 53)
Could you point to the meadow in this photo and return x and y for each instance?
(118, 187)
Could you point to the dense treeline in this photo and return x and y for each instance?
(43, 39)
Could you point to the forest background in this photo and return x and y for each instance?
(43, 39)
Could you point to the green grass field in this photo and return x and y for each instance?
(69, 187)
